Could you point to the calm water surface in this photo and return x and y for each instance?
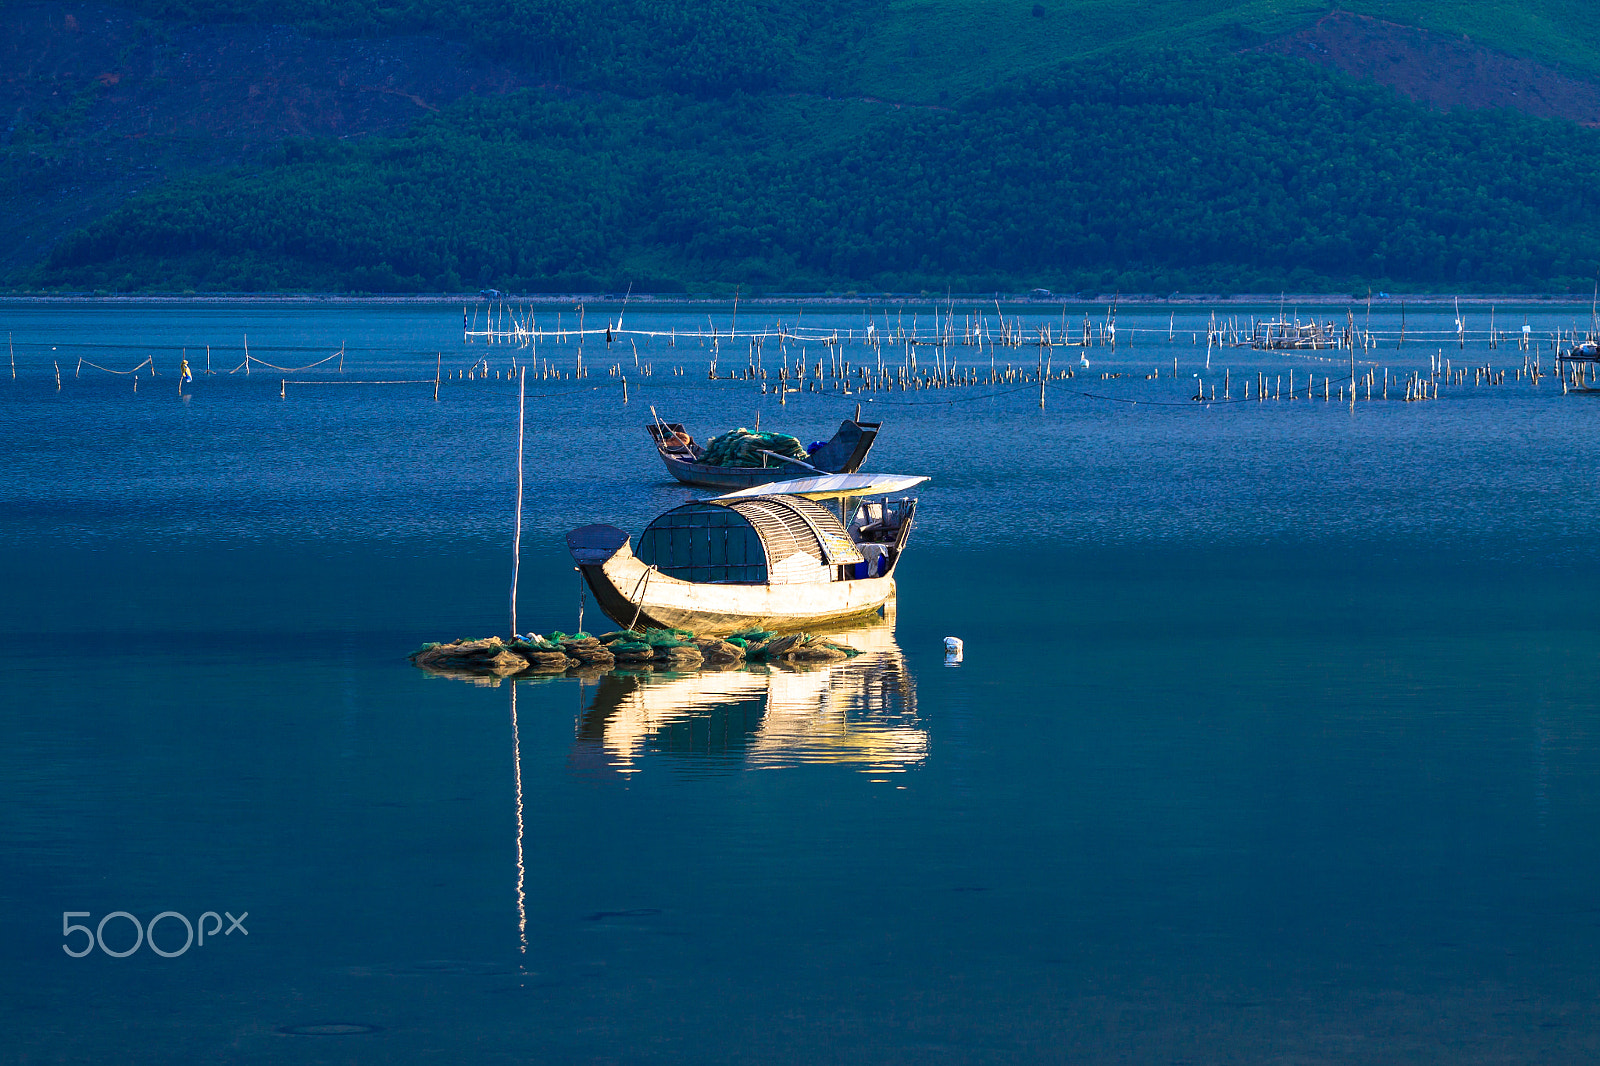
(1277, 738)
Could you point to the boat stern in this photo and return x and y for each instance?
(848, 449)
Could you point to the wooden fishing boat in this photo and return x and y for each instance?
(682, 457)
(768, 557)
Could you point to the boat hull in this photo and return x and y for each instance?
(729, 477)
(637, 596)
(843, 454)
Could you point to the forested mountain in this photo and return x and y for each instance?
(902, 49)
(1076, 145)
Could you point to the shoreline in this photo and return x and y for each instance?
(680, 302)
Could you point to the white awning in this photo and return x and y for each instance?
(832, 486)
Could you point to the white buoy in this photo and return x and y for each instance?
(953, 649)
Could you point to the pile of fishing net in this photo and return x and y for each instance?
(674, 649)
(679, 647)
(491, 656)
(673, 646)
(743, 447)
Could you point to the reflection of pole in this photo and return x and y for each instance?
(516, 540)
(516, 754)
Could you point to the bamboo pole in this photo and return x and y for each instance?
(516, 537)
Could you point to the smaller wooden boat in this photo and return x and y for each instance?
(682, 456)
(770, 557)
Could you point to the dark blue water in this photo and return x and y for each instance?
(1277, 737)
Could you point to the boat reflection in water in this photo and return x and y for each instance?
(861, 711)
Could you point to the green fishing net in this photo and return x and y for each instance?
(742, 447)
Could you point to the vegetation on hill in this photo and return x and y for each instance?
(920, 49)
(634, 47)
(915, 50)
(1562, 33)
(1181, 171)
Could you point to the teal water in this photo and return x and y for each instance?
(1277, 736)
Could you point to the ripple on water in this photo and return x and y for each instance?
(330, 1029)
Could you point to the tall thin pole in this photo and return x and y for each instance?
(1353, 375)
(516, 540)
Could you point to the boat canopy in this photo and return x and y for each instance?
(832, 486)
(761, 539)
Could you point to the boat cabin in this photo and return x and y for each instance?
(774, 540)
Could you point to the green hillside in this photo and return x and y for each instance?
(932, 50)
(921, 50)
(1233, 173)
(1562, 33)
(714, 143)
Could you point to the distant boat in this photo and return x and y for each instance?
(682, 457)
(770, 557)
